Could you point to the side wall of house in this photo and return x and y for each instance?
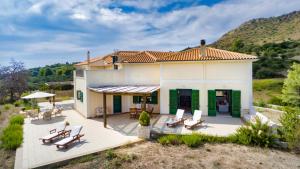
(129, 74)
(204, 76)
(80, 85)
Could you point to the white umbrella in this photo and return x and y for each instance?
(38, 95)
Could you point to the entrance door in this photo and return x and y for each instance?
(117, 101)
(185, 99)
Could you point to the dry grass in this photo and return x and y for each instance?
(150, 155)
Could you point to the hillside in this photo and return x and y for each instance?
(264, 30)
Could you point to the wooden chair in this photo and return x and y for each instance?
(33, 114)
(72, 136)
(57, 111)
(177, 120)
(47, 115)
(133, 112)
(150, 112)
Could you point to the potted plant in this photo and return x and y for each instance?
(144, 126)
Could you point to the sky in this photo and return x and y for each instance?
(44, 32)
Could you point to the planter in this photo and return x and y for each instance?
(144, 132)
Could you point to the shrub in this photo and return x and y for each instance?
(170, 139)
(7, 106)
(261, 103)
(144, 119)
(275, 100)
(17, 119)
(256, 133)
(18, 103)
(12, 136)
(110, 154)
(290, 126)
(193, 140)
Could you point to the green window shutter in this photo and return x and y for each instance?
(173, 101)
(236, 103)
(195, 100)
(136, 99)
(212, 103)
(154, 98)
(81, 96)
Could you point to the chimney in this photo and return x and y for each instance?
(88, 57)
(115, 56)
(202, 48)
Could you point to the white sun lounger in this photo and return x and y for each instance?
(73, 135)
(191, 123)
(55, 133)
(178, 118)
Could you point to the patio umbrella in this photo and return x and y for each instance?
(38, 95)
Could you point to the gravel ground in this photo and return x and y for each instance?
(150, 155)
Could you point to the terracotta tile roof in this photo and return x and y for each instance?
(187, 55)
(211, 54)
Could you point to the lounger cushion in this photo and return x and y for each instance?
(172, 121)
(190, 122)
(64, 141)
(49, 136)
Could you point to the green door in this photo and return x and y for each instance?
(195, 100)
(173, 101)
(117, 101)
(212, 109)
(236, 103)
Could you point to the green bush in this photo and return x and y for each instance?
(7, 106)
(17, 119)
(170, 139)
(193, 140)
(110, 154)
(275, 100)
(18, 103)
(261, 103)
(257, 133)
(290, 126)
(12, 136)
(144, 119)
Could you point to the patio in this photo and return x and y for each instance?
(121, 130)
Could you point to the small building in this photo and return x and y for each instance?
(218, 82)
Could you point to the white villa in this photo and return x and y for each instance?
(215, 81)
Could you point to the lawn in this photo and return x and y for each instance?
(154, 155)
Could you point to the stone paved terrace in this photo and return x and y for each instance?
(121, 130)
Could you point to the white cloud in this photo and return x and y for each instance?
(105, 28)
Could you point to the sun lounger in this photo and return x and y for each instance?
(178, 118)
(73, 135)
(196, 120)
(55, 133)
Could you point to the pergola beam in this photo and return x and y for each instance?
(104, 109)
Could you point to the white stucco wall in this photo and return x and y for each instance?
(204, 76)
(80, 84)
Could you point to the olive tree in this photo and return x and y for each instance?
(291, 87)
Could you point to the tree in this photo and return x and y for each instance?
(237, 45)
(13, 80)
(291, 87)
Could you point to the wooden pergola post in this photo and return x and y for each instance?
(144, 102)
(104, 110)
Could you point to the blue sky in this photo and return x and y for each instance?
(55, 31)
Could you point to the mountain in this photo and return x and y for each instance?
(264, 30)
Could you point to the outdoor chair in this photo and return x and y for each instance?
(133, 112)
(150, 111)
(196, 120)
(72, 136)
(33, 114)
(57, 111)
(47, 115)
(58, 132)
(98, 111)
(177, 120)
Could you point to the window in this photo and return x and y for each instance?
(79, 95)
(153, 99)
(116, 67)
(79, 73)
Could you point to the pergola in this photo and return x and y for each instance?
(136, 90)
